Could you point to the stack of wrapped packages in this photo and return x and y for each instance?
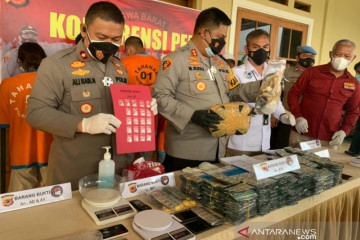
(238, 196)
(319, 173)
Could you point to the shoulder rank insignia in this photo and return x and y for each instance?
(166, 64)
(233, 82)
(77, 64)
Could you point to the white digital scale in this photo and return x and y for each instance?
(105, 205)
(159, 225)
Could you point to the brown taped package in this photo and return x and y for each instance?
(236, 119)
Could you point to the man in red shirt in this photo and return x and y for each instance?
(326, 90)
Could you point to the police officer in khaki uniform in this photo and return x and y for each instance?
(71, 97)
(305, 58)
(190, 81)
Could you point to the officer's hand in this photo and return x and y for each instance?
(337, 138)
(288, 118)
(100, 123)
(153, 106)
(266, 109)
(206, 120)
(301, 125)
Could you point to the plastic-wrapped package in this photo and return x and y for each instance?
(236, 119)
(209, 217)
(169, 202)
(270, 89)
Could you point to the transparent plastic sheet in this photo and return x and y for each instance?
(270, 89)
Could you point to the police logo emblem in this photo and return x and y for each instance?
(166, 63)
(200, 86)
(86, 108)
(99, 54)
(86, 93)
(6, 58)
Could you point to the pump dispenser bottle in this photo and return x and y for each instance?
(106, 170)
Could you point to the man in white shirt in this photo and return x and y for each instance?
(257, 139)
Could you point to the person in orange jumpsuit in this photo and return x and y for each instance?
(29, 148)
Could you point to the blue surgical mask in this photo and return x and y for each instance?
(357, 78)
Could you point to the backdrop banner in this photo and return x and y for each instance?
(163, 27)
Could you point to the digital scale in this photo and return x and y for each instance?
(159, 225)
(105, 205)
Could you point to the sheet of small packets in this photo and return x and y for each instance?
(132, 108)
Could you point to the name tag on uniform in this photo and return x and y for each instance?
(349, 86)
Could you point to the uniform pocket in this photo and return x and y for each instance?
(85, 100)
(346, 93)
(199, 83)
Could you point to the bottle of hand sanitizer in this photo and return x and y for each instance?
(106, 170)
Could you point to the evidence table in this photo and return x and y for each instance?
(334, 214)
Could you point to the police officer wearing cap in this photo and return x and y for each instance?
(71, 98)
(10, 65)
(190, 81)
(305, 58)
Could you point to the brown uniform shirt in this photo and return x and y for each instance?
(188, 81)
(68, 88)
(291, 75)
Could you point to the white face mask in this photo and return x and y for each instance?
(339, 63)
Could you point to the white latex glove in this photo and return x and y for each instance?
(301, 125)
(288, 118)
(153, 106)
(337, 138)
(100, 123)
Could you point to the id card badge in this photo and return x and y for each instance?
(266, 120)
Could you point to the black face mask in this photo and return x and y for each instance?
(306, 62)
(102, 51)
(259, 56)
(216, 45)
